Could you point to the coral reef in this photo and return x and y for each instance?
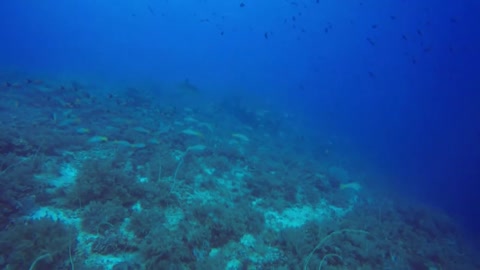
(168, 186)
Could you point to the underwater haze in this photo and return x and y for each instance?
(206, 134)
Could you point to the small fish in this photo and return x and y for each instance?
(242, 4)
(190, 119)
(328, 27)
(192, 132)
(122, 143)
(198, 147)
(265, 35)
(188, 87)
(98, 139)
(142, 130)
(138, 145)
(150, 9)
(371, 41)
(37, 81)
(353, 185)
(82, 130)
(154, 141)
(54, 117)
(241, 137)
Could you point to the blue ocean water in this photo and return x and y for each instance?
(201, 134)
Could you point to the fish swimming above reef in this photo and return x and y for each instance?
(188, 88)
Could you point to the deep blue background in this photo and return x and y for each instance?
(399, 79)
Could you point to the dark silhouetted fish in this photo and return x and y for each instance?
(150, 9)
(371, 41)
(188, 88)
(328, 27)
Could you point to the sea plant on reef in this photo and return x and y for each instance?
(37, 243)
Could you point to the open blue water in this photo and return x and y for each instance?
(279, 96)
